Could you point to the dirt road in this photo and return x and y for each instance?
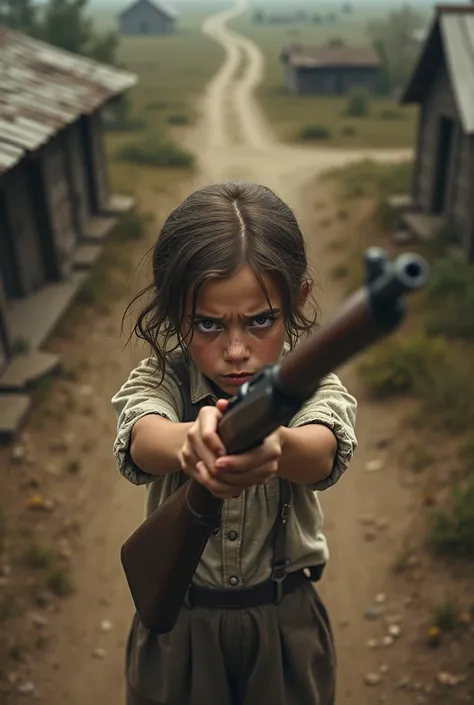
(233, 141)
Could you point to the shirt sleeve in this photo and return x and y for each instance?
(143, 394)
(334, 407)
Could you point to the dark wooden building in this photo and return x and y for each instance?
(442, 84)
(329, 70)
(147, 17)
(55, 204)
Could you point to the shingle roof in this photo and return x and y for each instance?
(451, 36)
(162, 7)
(43, 89)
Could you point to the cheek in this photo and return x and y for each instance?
(269, 348)
(205, 354)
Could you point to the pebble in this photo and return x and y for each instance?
(394, 630)
(381, 598)
(387, 640)
(18, 454)
(373, 466)
(445, 678)
(27, 688)
(39, 620)
(372, 679)
(106, 626)
(373, 643)
(384, 668)
(373, 613)
(99, 653)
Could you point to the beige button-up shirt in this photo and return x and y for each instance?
(240, 554)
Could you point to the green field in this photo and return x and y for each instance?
(172, 73)
(388, 125)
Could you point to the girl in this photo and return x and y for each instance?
(231, 288)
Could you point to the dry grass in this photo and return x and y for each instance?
(386, 126)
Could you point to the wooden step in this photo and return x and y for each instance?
(23, 370)
(13, 410)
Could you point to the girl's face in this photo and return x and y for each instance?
(235, 332)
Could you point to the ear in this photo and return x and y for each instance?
(304, 293)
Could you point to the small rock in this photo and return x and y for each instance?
(373, 643)
(373, 466)
(387, 640)
(373, 613)
(381, 598)
(27, 688)
(403, 683)
(445, 678)
(18, 454)
(106, 626)
(413, 562)
(372, 679)
(39, 620)
(99, 653)
(384, 668)
(382, 524)
(394, 630)
(52, 470)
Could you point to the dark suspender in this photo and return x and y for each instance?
(190, 412)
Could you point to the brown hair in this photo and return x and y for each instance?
(215, 231)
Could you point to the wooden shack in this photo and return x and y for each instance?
(442, 84)
(55, 203)
(147, 17)
(329, 70)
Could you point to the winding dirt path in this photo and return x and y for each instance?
(233, 141)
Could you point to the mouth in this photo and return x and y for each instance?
(237, 379)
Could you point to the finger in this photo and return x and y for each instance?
(244, 462)
(188, 461)
(219, 489)
(208, 419)
(222, 405)
(256, 476)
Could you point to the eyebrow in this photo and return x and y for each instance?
(214, 319)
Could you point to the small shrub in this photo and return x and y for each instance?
(150, 151)
(386, 215)
(126, 125)
(446, 616)
(38, 557)
(379, 180)
(178, 119)
(315, 132)
(157, 105)
(349, 131)
(452, 532)
(391, 115)
(451, 298)
(60, 582)
(403, 366)
(132, 226)
(358, 103)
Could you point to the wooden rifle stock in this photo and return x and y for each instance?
(161, 556)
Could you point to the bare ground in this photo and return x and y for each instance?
(60, 648)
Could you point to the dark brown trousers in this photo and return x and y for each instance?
(276, 654)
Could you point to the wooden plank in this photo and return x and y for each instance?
(23, 370)
(86, 256)
(13, 410)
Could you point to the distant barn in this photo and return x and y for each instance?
(442, 85)
(329, 70)
(147, 17)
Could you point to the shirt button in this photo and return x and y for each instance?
(233, 581)
(232, 535)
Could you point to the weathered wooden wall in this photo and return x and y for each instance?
(143, 18)
(329, 81)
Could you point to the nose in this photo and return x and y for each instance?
(236, 350)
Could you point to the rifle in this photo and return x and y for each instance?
(161, 556)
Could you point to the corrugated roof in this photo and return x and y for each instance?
(451, 36)
(162, 7)
(43, 88)
(325, 57)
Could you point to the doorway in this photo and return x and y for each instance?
(442, 164)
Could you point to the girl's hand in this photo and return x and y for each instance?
(225, 476)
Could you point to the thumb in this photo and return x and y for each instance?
(222, 405)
